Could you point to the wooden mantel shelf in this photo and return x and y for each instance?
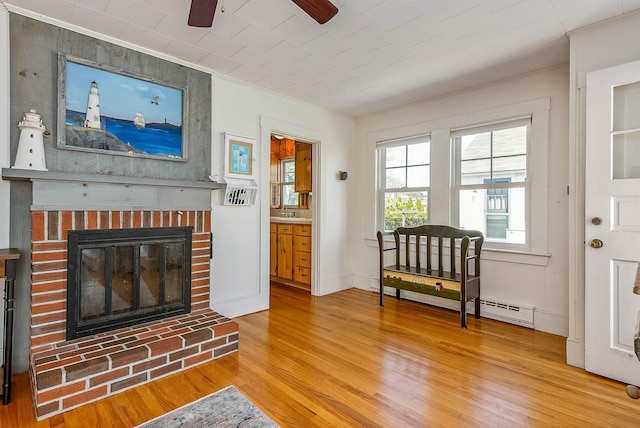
(32, 175)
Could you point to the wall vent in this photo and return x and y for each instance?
(234, 195)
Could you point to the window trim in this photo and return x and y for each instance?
(286, 183)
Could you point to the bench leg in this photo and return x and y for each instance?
(381, 291)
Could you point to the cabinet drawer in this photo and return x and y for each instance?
(302, 243)
(302, 229)
(302, 259)
(286, 229)
(273, 228)
(302, 274)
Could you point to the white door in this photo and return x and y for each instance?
(612, 208)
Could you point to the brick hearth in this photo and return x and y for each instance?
(67, 374)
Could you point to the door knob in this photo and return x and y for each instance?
(596, 243)
(596, 221)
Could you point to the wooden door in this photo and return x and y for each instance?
(612, 224)
(303, 168)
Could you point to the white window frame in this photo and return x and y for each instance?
(381, 177)
(286, 183)
(525, 185)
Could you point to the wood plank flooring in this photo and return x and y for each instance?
(342, 361)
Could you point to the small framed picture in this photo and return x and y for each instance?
(238, 162)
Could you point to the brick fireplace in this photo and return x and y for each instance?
(67, 374)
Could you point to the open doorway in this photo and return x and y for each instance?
(291, 211)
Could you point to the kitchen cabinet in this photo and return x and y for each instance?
(302, 253)
(287, 148)
(291, 254)
(303, 167)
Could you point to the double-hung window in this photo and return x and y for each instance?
(491, 191)
(403, 182)
(289, 195)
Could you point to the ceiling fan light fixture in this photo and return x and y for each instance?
(320, 10)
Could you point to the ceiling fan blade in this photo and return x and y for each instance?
(201, 13)
(320, 10)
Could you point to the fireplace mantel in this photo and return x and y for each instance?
(58, 190)
(33, 175)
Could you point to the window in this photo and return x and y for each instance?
(403, 182)
(289, 195)
(491, 188)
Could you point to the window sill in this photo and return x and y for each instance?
(493, 254)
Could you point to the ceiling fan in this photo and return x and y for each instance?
(202, 11)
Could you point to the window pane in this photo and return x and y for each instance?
(122, 280)
(289, 196)
(174, 272)
(288, 171)
(475, 146)
(93, 284)
(405, 209)
(475, 171)
(512, 141)
(506, 221)
(418, 176)
(418, 154)
(395, 156)
(150, 275)
(513, 167)
(395, 178)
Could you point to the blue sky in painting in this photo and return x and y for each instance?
(122, 96)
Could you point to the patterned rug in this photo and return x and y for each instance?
(225, 408)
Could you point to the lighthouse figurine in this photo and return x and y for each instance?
(30, 153)
(93, 108)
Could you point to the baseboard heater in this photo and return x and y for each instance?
(490, 307)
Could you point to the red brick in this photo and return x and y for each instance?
(79, 220)
(166, 219)
(47, 408)
(48, 276)
(156, 219)
(49, 256)
(49, 338)
(127, 383)
(44, 267)
(197, 336)
(92, 220)
(45, 318)
(45, 308)
(67, 389)
(174, 367)
(106, 343)
(233, 347)
(109, 376)
(226, 328)
(126, 220)
(53, 223)
(146, 365)
(103, 352)
(192, 218)
(48, 328)
(87, 368)
(164, 346)
(213, 344)
(84, 397)
(104, 219)
(198, 359)
(60, 362)
(42, 298)
(137, 220)
(183, 353)
(75, 351)
(37, 226)
(201, 305)
(129, 356)
(49, 246)
(207, 221)
(116, 222)
(146, 219)
(49, 379)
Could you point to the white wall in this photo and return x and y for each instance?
(537, 277)
(598, 46)
(240, 268)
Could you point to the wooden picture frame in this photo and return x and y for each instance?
(238, 156)
(105, 110)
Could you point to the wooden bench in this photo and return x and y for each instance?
(456, 283)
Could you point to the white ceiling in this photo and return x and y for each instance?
(374, 55)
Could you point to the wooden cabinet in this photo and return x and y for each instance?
(291, 254)
(303, 167)
(287, 148)
(302, 253)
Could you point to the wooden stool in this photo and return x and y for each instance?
(8, 261)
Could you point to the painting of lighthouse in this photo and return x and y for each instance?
(108, 110)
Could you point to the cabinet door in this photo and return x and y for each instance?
(303, 168)
(273, 264)
(285, 256)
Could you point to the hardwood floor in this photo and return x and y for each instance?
(342, 361)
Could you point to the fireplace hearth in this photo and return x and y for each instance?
(121, 277)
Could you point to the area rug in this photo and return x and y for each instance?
(225, 408)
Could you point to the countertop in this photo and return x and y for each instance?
(296, 220)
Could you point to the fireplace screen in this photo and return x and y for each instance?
(121, 277)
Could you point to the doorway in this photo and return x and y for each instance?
(291, 211)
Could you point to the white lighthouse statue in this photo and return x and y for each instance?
(93, 108)
(30, 153)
